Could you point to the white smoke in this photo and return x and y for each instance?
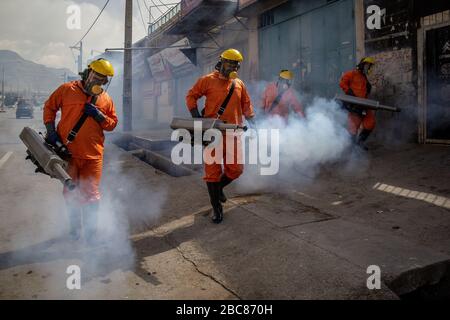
(306, 144)
(129, 203)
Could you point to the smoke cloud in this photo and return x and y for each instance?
(306, 144)
(129, 203)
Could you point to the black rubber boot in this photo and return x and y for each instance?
(214, 192)
(75, 222)
(364, 134)
(90, 213)
(224, 181)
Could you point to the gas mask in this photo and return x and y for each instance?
(228, 68)
(94, 82)
(367, 68)
(283, 84)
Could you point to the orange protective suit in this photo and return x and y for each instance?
(86, 173)
(215, 88)
(358, 82)
(287, 102)
(87, 148)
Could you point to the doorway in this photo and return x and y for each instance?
(435, 87)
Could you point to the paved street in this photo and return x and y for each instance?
(310, 240)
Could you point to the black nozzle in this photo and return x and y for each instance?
(69, 184)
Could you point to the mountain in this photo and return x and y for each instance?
(22, 74)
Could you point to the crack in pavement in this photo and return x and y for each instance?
(198, 270)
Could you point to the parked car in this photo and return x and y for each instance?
(24, 109)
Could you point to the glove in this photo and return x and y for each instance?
(92, 110)
(195, 113)
(52, 136)
(356, 110)
(53, 139)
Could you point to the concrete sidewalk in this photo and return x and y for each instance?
(315, 241)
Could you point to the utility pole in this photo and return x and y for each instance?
(80, 56)
(127, 68)
(3, 89)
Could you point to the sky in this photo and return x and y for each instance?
(38, 31)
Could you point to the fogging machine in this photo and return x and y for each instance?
(206, 123)
(364, 103)
(45, 157)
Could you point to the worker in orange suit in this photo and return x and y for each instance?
(355, 83)
(280, 99)
(215, 87)
(85, 145)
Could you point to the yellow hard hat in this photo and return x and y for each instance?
(369, 60)
(286, 74)
(102, 66)
(232, 54)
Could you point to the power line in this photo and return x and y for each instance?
(145, 4)
(157, 7)
(148, 10)
(107, 1)
(164, 4)
(142, 18)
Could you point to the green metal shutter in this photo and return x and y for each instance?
(317, 45)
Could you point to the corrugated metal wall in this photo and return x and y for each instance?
(317, 43)
(183, 84)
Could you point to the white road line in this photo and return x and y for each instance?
(5, 158)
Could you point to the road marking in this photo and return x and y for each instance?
(5, 158)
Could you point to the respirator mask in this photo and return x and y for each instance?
(228, 68)
(367, 68)
(94, 82)
(283, 84)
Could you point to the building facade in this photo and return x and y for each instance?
(318, 40)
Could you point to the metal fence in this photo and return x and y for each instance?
(173, 14)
